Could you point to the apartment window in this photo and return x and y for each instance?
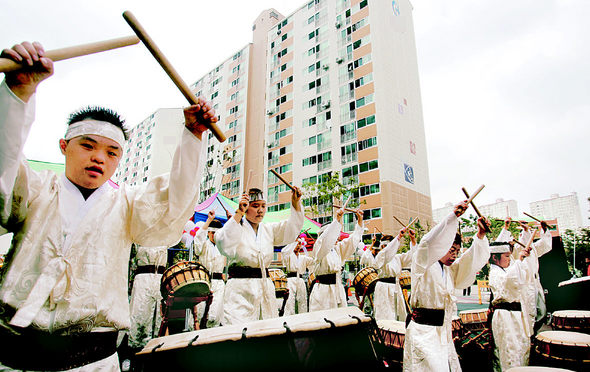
(365, 121)
(368, 166)
(315, 83)
(369, 189)
(371, 213)
(235, 82)
(365, 144)
(214, 95)
(314, 34)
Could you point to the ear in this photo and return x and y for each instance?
(62, 145)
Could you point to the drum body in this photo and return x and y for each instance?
(365, 280)
(185, 279)
(392, 335)
(279, 278)
(562, 349)
(405, 279)
(457, 326)
(475, 319)
(571, 320)
(317, 341)
(310, 282)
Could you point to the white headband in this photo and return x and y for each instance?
(96, 127)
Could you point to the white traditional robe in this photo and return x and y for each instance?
(511, 329)
(214, 261)
(388, 298)
(247, 300)
(297, 300)
(431, 348)
(329, 256)
(146, 298)
(67, 269)
(532, 287)
(367, 259)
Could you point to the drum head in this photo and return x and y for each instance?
(565, 338)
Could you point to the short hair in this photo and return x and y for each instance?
(100, 114)
(216, 224)
(495, 257)
(386, 238)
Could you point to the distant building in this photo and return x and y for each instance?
(566, 209)
(440, 213)
(500, 209)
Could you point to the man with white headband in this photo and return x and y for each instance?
(63, 289)
(248, 243)
(210, 257)
(296, 261)
(388, 297)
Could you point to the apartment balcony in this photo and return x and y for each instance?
(324, 165)
(348, 158)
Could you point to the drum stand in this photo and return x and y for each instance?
(284, 295)
(176, 308)
(366, 294)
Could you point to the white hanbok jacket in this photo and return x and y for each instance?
(68, 265)
(431, 348)
(297, 300)
(388, 297)
(214, 262)
(145, 304)
(247, 300)
(330, 256)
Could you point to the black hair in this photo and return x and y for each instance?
(495, 257)
(458, 239)
(386, 238)
(101, 114)
(216, 224)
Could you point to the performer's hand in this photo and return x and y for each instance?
(524, 253)
(359, 216)
(482, 222)
(460, 208)
(544, 226)
(339, 214)
(211, 215)
(228, 215)
(24, 82)
(196, 117)
(525, 226)
(412, 236)
(296, 197)
(401, 234)
(243, 204)
(507, 223)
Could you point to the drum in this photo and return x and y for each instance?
(365, 280)
(475, 319)
(562, 349)
(404, 279)
(320, 341)
(457, 326)
(185, 279)
(279, 278)
(571, 320)
(310, 281)
(392, 336)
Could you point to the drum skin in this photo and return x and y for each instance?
(571, 320)
(562, 349)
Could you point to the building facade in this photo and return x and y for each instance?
(500, 209)
(566, 209)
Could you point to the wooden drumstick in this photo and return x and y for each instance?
(247, 185)
(519, 243)
(282, 179)
(536, 219)
(346, 202)
(167, 66)
(412, 222)
(346, 209)
(470, 200)
(400, 222)
(7, 65)
(222, 206)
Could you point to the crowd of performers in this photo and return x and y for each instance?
(63, 289)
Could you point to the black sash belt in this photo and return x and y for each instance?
(245, 272)
(510, 306)
(326, 279)
(41, 351)
(150, 269)
(292, 275)
(390, 280)
(217, 276)
(432, 317)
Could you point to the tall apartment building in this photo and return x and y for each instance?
(500, 209)
(333, 87)
(151, 147)
(566, 209)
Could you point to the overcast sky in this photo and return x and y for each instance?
(505, 86)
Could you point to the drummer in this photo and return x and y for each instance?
(511, 328)
(388, 298)
(436, 274)
(248, 243)
(368, 254)
(210, 257)
(296, 261)
(330, 255)
(534, 294)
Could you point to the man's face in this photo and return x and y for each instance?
(256, 211)
(91, 160)
(504, 260)
(211, 236)
(451, 255)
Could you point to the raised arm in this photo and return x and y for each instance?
(469, 263)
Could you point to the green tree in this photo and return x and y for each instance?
(580, 240)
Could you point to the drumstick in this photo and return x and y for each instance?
(282, 180)
(222, 206)
(412, 222)
(7, 65)
(536, 219)
(519, 243)
(346, 202)
(346, 209)
(167, 66)
(247, 185)
(400, 222)
(470, 200)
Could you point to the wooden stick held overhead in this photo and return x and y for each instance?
(170, 70)
(282, 180)
(7, 65)
(346, 209)
(470, 200)
(400, 222)
(534, 218)
(247, 184)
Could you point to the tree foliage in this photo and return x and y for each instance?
(320, 196)
(579, 239)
